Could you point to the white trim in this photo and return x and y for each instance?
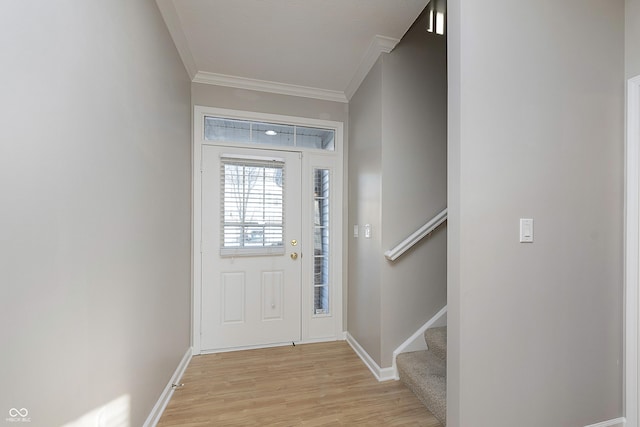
(618, 422)
(196, 238)
(199, 112)
(154, 417)
(418, 336)
(632, 250)
(381, 374)
(269, 86)
(378, 46)
(171, 19)
(416, 341)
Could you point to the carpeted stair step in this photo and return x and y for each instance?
(436, 339)
(424, 373)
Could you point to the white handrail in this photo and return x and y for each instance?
(409, 242)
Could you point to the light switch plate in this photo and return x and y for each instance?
(367, 231)
(526, 230)
(356, 231)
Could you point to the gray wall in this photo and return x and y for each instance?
(536, 130)
(632, 35)
(365, 207)
(95, 210)
(414, 182)
(263, 102)
(398, 182)
(454, 133)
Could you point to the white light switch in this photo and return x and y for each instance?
(526, 230)
(367, 231)
(356, 231)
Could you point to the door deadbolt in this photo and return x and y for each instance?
(294, 242)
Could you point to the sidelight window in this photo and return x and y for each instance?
(321, 246)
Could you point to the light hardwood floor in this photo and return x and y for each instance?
(307, 385)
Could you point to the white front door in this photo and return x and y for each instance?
(251, 247)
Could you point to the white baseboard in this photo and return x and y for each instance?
(381, 374)
(618, 422)
(416, 341)
(161, 404)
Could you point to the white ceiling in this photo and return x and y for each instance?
(320, 45)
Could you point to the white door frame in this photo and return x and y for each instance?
(632, 252)
(196, 214)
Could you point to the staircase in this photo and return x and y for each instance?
(425, 372)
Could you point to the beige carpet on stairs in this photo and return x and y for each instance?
(425, 372)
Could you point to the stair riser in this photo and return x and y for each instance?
(425, 375)
(436, 339)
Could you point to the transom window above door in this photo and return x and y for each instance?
(217, 129)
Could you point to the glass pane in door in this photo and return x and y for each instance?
(321, 242)
(252, 207)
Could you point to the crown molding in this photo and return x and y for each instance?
(378, 46)
(268, 86)
(172, 20)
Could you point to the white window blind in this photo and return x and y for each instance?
(252, 217)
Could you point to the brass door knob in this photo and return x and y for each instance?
(294, 255)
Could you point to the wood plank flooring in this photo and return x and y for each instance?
(307, 385)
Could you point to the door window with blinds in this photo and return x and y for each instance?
(252, 207)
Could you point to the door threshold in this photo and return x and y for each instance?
(262, 346)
